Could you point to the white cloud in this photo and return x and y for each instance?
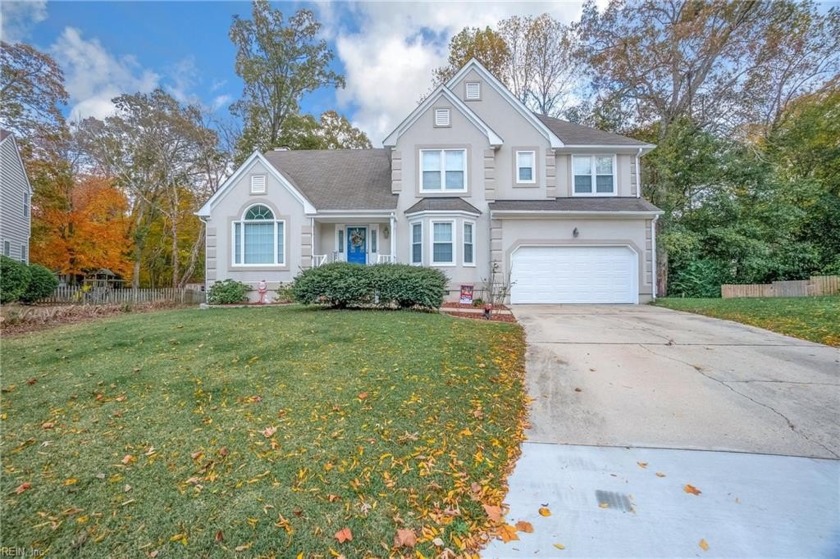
(17, 18)
(390, 55)
(93, 76)
(220, 102)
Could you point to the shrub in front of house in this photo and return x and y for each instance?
(227, 292)
(14, 278)
(42, 283)
(344, 285)
(409, 286)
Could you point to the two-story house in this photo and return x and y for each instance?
(470, 178)
(15, 201)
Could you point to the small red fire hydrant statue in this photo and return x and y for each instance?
(262, 287)
(487, 309)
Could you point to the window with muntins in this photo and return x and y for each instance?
(374, 241)
(26, 203)
(469, 257)
(594, 175)
(259, 238)
(525, 167)
(443, 170)
(417, 243)
(443, 246)
(23, 253)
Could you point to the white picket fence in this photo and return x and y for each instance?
(110, 296)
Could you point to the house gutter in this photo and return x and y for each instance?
(653, 258)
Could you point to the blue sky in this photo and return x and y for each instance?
(386, 50)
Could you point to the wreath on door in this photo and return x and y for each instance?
(357, 239)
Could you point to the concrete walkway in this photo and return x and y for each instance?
(617, 385)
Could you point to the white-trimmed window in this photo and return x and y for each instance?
(441, 117)
(443, 242)
(594, 175)
(526, 167)
(374, 239)
(259, 238)
(469, 243)
(416, 243)
(7, 249)
(258, 184)
(473, 91)
(443, 170)
(23, 253)
(26, 204)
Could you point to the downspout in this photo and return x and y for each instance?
(638, 174)
(393, 238)
(203, 220)
(654, 259)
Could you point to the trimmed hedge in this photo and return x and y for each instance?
(227, 292)
(42, 283)
(344, 285)
(14, 278)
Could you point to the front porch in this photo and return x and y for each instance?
(358, 240)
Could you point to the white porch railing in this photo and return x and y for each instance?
(386, 259)
(321, 259)
(318, 260)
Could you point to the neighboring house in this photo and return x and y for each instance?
(470, 178)
(15, 201)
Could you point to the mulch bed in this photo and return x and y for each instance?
(495, 317)
(476, 314)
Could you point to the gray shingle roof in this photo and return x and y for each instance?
(588, 204)
(442, 205)
(578, 135)
(345, 179)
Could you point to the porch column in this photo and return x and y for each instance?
(393, 238)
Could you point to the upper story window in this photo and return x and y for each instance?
(258, 184)
(594, 175)
(526, 167)
(26, 204)
(259, 238)
(443, 170)
(473, 91)
(441, 117)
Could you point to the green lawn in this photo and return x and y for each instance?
(154, 434)
(811, 318)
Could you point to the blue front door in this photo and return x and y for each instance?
(357, 245)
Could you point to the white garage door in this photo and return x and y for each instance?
(574, 275)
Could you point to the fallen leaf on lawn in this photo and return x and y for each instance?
(344, 535)
(196, 455)
(23, 487)
(507, 533)
(151, 451)
(333, 498)
(438, 542)
(475, 487)
(363, 395)
(120, 398)
(223, 451)
(71, 481)
(524, 526)
(47, 425)
(704, 545)
(220, 537)
(642, 464)
(243, 547)
(128, 459)
(153, 554)
(269, 431)
(31, 381)
(180, 538)
(405, 537)
(494, 512)
(545, 511)
(126, 488)
(691, 489)
(660, 474)
(559, 546)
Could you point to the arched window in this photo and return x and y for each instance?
(259, 238)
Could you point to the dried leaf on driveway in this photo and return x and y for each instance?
(642, 464)
(704, 545)
(524, 526)
(545, 511)
(691, 489)
(507, 533)
(560, 546)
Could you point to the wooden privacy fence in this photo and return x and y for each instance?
(109, 296)
(815, 286)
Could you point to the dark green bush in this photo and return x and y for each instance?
(697, 278)
(385, 285)
(14, 277)
(42, 283)
(227, 292)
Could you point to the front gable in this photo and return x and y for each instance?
(255, 166)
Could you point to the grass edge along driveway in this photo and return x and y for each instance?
(279, 432)
(808, 318)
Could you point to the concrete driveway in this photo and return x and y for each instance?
(631, 403)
